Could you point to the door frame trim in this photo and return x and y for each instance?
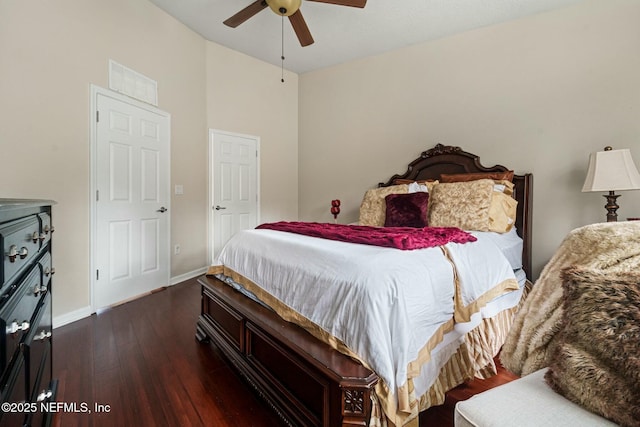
(210, 189)
(95, 91)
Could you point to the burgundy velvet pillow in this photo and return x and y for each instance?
(407, 210)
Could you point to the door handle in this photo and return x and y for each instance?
(219, 207)
(162, 210)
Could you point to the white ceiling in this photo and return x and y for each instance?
(344, 33)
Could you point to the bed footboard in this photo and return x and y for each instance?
(306, 382)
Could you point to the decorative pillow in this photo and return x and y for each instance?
(373, 208)
(463, 177)
(596, 362)
(406, 210)
(503, 208)
(461, 204)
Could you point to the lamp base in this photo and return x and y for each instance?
(611, 206)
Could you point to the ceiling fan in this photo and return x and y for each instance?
(290, 8)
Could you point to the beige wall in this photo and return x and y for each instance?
(538, 95)
(50, 53)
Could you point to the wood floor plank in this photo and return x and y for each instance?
(143, 361)
(107, 392)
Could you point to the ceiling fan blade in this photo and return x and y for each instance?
(352, 3)
(245, 13)
(300, 27)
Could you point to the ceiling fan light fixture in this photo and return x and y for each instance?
(284, 7)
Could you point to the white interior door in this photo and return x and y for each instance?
(131, 247)
(234, 185)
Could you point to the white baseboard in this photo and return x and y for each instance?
(186, 276)
(72, 316)
(81, 313)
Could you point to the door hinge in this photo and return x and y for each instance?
(97, 195)
(97, 116)
(97, 274)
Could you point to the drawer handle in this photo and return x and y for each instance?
(48, 229)
(35, 237)
(42, 336)
(13, 253)
(15, 327)
(42, 237)
(44, 394)
(39, 289)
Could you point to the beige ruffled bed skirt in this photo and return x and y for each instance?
(473, 359)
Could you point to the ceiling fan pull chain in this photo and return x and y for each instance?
(282, 51)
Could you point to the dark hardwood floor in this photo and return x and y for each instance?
(139, 364)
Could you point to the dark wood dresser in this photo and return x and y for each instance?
(26, 384)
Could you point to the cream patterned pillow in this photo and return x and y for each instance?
(373, 207)
(465, 205)
(502, 211)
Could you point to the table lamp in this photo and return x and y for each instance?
(611, 170)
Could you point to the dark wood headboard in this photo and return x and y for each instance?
(449, 160)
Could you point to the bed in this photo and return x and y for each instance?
(316, 369)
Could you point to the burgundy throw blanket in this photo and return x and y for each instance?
(405, 238)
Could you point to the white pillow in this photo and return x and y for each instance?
(415, 187)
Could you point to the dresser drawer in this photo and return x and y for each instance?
(16, 315)
(20, 243)
(37, 347)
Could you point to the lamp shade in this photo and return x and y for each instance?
(611, 170)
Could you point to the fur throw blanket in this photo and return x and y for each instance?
(607, 247)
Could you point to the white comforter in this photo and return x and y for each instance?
(383, 303)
